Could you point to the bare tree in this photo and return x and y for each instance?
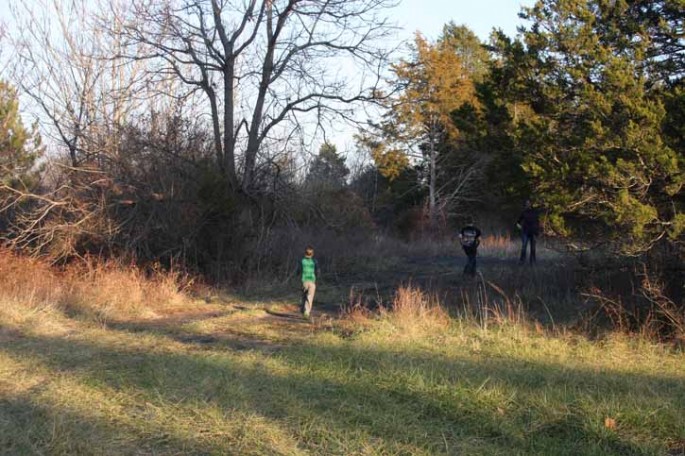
(266, 67)
(61, 63)
(84, 100)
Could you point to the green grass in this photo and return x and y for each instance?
(244, 381)
(118, 365)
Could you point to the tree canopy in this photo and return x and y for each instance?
(586, 109)
(328, 169)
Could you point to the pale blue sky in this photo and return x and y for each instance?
(481, 16)
(428, 16)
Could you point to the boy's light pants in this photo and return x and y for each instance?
(308, 289)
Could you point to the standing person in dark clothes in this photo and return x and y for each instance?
(470, 240)
(529, 224)
(308, 269)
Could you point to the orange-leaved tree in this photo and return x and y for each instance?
(429, 85)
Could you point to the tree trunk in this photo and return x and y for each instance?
(432, 204)
(229, 134)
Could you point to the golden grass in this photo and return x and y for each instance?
(30, 289)
(249, 376)
(415, 312)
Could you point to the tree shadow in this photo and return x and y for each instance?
(30, 427)
(404, 402)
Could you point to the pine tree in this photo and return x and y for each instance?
(328, 170)
(19, 147)
(430, 85)
(592, 143)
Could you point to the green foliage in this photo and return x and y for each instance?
(328, 169)
(587, 118)
(473, 55)
(674, 120)
(19, 147)
(678, 227)
(390, 201)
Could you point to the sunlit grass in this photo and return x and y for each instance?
(245, 374)
(454, 389)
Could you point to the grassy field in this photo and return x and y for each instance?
(117, 362)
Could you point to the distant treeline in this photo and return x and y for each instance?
(183, 132)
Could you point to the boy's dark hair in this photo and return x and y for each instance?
(309, 251)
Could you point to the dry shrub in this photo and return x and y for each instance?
(503, 309)
(414, 311)
(28, 281)
(112, 291)
(360, 307)
(30, 292)
(499, 245)
(648, 312)
(101, 291)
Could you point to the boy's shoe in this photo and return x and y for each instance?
(306, 315)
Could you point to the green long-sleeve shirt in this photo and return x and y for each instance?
(308, 269)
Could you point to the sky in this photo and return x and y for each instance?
(481, 16)
(428, 16)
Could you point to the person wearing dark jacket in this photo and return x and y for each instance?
(529, 224)
(469, 236)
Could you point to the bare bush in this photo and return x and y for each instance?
(647, 311)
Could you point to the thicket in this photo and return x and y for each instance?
(150, 162)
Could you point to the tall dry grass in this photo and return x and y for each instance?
(30, 288)
(415, 312)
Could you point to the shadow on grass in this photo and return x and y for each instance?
(28, 427)
(337, 399)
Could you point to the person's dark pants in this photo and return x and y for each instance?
(470, 268)
(527, 238)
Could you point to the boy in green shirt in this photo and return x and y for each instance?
(308, 269)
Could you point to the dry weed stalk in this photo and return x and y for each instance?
(505, 310)
(358, 308)
(668, 312)
(652, 313)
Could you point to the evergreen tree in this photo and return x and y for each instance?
(430, 85)
(328, 169)
(473, 55)
(19, 147)
(585, 117)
